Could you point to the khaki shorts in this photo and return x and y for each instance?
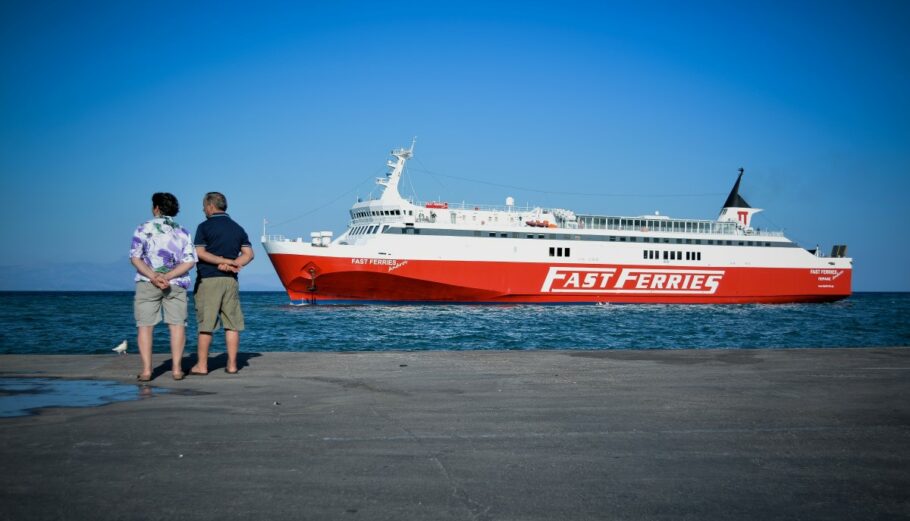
(150, 299)
(218, 297)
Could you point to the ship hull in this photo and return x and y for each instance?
(341, 280)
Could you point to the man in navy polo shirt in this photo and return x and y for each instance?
(223, 249)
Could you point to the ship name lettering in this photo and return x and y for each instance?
(631, 280)
(376, 262)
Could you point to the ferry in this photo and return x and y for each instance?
(396, 250)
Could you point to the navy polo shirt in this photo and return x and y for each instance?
(221, 236)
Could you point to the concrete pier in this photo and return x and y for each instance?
(541, 435)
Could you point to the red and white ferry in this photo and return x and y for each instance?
(394, 250)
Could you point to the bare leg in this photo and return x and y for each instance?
(232, 339)
(178, 340)
(202, 350)
(144, 339)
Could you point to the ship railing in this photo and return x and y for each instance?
(274, 238)
(664, 225)
(465, 206)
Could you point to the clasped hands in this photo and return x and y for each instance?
(232, 266)
(160, 281)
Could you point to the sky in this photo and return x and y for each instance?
(290, 110)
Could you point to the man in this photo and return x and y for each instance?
(223, 249)
(163, 255)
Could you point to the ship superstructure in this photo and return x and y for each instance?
(396, 250)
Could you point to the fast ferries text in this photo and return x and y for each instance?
(631, 280)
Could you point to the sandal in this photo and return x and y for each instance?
(144, 377)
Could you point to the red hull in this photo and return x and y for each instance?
(331, 279)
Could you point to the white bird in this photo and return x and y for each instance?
(121, 349)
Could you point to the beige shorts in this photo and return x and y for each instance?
(218, 298)
(150, 299)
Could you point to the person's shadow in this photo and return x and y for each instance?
(217, 362)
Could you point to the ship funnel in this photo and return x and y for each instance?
(736, 209)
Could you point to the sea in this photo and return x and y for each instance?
(95, 322)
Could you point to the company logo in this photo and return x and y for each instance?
(568, 279)
(743, 217)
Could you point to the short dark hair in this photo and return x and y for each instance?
(216, 199)
(166, 203)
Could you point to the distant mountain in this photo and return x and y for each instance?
(111, 276)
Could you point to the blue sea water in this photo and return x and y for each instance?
(94, 322)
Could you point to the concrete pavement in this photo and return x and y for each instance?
(539, 435)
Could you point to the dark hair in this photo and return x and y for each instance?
(166, 203)
(216, 199)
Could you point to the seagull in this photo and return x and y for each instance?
(121, 349)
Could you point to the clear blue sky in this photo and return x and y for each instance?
(290, 108)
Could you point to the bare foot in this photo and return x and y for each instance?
(199, 370)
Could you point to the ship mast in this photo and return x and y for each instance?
(390, 193)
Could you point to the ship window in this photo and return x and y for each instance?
(729, 243)
(566, 252)
(688, 254)
(540, 236)
(552, 251)
(492, 235)
(698, 255)
(750, 243)
(404, 230)
(612, 238)
(558, 252)
(697, 241)
(665, 255)
(417, 231)
(767, 244)
(741, 243)
(622, 239)
(710, 241)
(645, 252)
(679, 255)
(530, 236)
(503, 234)
(688, 241)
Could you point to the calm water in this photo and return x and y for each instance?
(80, 322)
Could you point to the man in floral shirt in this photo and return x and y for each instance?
(163, 254)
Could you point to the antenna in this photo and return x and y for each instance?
(414, 140)
(741, 170)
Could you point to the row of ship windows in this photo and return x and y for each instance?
(671, 255)
(365, 230)
(370, 229)
(613, 238)
(376, 213)
(560, 252)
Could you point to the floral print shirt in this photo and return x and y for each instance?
(162, 244)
